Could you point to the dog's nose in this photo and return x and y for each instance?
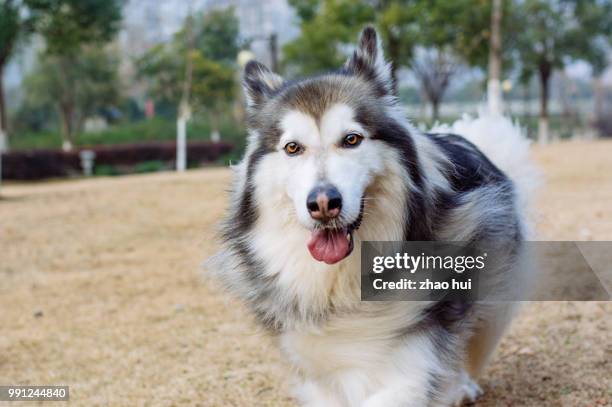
(324, 202)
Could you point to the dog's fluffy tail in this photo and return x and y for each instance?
(506, 145)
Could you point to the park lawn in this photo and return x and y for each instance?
(101, 288)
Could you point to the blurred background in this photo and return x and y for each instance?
(124, 78)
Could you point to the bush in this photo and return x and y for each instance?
(150, 166)
(106, 170)
(603, 125)
(39, 164)
(157, 129)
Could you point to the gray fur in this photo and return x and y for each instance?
(476, 202)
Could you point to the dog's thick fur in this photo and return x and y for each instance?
(403, 185)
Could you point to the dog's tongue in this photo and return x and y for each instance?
(329, 245)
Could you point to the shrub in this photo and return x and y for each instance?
(150, 166)
(603, 125)
(39, 164)
(106, 170)
(151, 130)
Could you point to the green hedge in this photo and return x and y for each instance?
(157, 129)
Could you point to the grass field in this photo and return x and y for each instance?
(101, 289)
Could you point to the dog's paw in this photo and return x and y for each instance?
(467, 391)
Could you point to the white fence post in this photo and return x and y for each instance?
(88, 158)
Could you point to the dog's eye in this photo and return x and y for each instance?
(352, 140)
(293, 148)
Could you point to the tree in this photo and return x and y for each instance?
(76, 89)
(12, 26)
(196, 70)
(439, 26)
(434, 68)
(212, 45)
(69, 27)
(556, 32)
(441, 40)
(67, 24)
(164, 67)
(494, 92)
(398, 22)
(469, 32)
(217, 36)
(599, 63)
(329, 27)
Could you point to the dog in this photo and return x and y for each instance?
(331, 161)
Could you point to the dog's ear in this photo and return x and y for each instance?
(368, 61)
(259, 83)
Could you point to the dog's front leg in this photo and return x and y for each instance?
(415, 376)
(311, 394)
(398, 396)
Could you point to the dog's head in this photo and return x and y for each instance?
(317, 145)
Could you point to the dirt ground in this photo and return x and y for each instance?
(101, 289)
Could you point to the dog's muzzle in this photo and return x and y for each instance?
(333, 244)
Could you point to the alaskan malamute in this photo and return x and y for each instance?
(332, 162)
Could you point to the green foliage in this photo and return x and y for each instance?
(554, 32)
(150, 166)
(398, 21)
(457, 25)
(214, 85)
(213, 82)
(210, 43)
(67, 24)
(74, 75)
(157, 129)
(13, 26)
(80, 86)
(305, 9)
(164, 70)
(36, 140)
(218, 37)
(327, 28)
(10, 25)
(104, 170)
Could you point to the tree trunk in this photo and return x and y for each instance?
(181, 142)
(3, 119)
(435, 110)
(598, 96)
(215, 134)
(526, 100)
(394, 50)
(494, 91)
(66, 103)
(66, 112)
(543, 129)
(184, 111)
(273, 45)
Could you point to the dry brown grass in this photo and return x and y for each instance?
(101, 289)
